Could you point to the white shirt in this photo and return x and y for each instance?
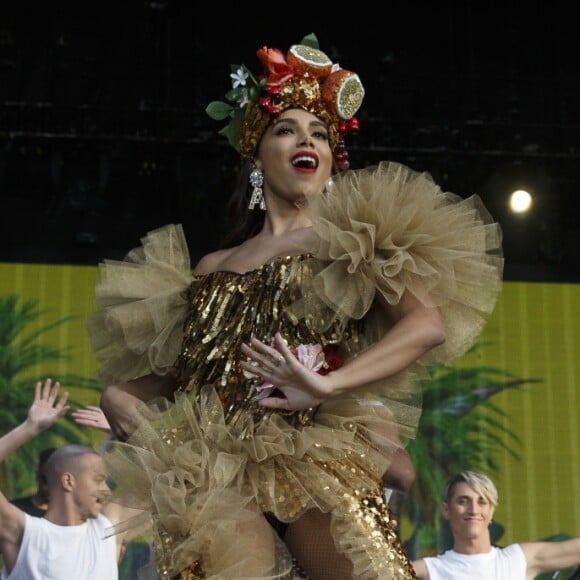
(52, 552)
(499, 564)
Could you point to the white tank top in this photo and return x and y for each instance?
(499, 564)
(51, 552)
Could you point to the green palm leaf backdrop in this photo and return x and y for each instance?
(509, 407)
(22, 328)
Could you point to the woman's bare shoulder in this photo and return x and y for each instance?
(254, 252)
(211, 262)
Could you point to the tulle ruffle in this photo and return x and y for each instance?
(137, 328)
(202, 480)
(389, 229)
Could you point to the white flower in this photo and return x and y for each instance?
(239, 78)
(244, 98)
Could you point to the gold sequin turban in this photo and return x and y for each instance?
(304, 78)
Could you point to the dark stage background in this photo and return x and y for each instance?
(103, 134)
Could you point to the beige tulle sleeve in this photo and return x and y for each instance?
(141, 306)
(388, 229)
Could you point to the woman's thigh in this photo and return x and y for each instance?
(310, 542)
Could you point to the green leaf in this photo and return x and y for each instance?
(254, 94)
(254, 81)
(232, 133)
(218, 110)
(310, 40)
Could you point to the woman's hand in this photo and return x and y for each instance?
(120, 410)
(295, 387)
(124, 404)
(91, 416)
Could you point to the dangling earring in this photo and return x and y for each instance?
(256, 181)
(329, 184)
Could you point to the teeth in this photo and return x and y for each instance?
(305, 159)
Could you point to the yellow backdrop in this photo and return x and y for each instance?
(534, 333)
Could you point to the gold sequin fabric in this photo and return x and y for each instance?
(225, 310)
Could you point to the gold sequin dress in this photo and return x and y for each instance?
(208, 465)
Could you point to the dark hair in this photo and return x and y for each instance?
(241, 222)
(43, 457)
(65, 459)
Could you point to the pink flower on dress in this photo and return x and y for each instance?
(310, 355)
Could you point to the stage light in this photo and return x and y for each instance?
(520, 201)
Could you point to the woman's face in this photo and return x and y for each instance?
(294, 155)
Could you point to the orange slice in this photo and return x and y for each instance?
(306, 59)
(345, 91)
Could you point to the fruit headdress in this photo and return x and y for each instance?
(304, 78)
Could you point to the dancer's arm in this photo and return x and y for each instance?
(545, 557)
(46, 409)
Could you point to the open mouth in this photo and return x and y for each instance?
(305, 161)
